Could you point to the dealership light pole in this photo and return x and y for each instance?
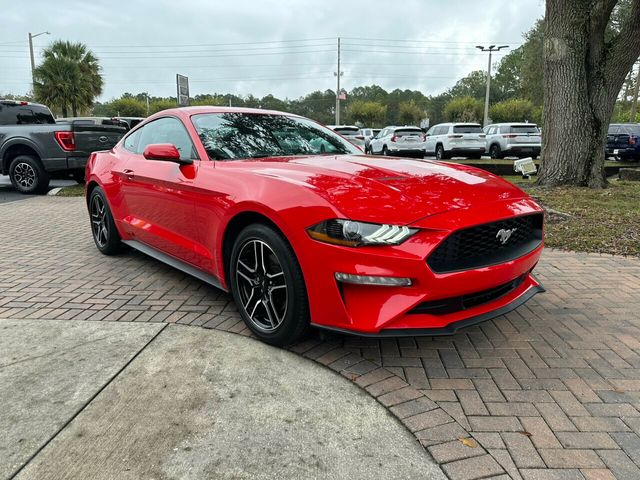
(490, 49)
(338, 74)
(33, 62)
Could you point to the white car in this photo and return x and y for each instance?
(351, 133)
(513, 140)
(401, 141)
(447, 140)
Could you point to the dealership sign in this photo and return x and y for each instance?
(182, 83)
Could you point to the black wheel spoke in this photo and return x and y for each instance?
(261, 285)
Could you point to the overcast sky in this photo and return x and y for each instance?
(283, 47)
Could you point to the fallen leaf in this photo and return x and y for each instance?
(469, 442)
(525, 433)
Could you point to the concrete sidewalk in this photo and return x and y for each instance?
(131, 401)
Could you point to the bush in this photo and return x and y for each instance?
(464, 109)
(516, 110)
(369, 114)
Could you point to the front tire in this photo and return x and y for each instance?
(268, 286)
(27, 175)
(440, 153)
(103, 227)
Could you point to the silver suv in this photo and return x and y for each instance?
(513, 140)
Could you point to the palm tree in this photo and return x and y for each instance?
(69, 77)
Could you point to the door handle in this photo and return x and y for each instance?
(128, 173)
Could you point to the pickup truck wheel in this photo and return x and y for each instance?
(27, 175)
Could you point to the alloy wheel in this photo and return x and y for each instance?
(24, 175)
(261, 285)
(99, 224)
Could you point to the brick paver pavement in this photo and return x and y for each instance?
(551, 390)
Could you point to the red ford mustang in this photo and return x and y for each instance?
(304, 229)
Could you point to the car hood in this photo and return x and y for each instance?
(389, 190)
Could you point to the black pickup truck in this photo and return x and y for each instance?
(33, 148)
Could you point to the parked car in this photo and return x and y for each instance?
(447, 140)
(399, 141)
(341, 241)
(351, 133)
(513, 140)
(33, 148)
(369, 134)
(623, 141)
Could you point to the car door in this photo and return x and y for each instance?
(429, 143)
(376, 142)
(159, 194)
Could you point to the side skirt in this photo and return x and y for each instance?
(175, 263)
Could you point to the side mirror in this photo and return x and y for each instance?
(164, 151)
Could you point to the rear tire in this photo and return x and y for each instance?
(385, 151)
(495, 152)
(440, 153)
(268, 286)
(103, 227)
(28, 176)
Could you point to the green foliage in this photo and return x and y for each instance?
(409, 113)
(464, 109)
(162, 104)
(370, 114)
(516, 110)
(68, 78)
(125, 107)
(473, 85)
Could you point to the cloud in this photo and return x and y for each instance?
(424, 45)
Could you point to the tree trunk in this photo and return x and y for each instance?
(582, 79)
(65, 111)
(74, 109)
(634, 100)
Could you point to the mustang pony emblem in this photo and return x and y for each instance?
(504, 235)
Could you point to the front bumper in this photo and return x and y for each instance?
(385, 310)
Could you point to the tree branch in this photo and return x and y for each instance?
(625, 49)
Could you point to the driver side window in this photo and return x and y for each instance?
(167, 130)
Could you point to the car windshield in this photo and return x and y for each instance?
(467, 129)
(234, 136)
(524, 129)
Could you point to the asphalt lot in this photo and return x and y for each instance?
(8, 193)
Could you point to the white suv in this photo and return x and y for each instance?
(447, 140)
(402, 141)
(513, 139)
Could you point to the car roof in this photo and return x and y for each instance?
(189, 111)
(524, 124)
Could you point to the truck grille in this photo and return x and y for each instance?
(487, 244)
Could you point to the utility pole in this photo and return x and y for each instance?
(490, 49)
(338, 74)
(634, 101)
(33, 62)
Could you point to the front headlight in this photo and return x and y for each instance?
(355, 234)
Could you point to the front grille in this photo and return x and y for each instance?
(464, 302)
(482, 246)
